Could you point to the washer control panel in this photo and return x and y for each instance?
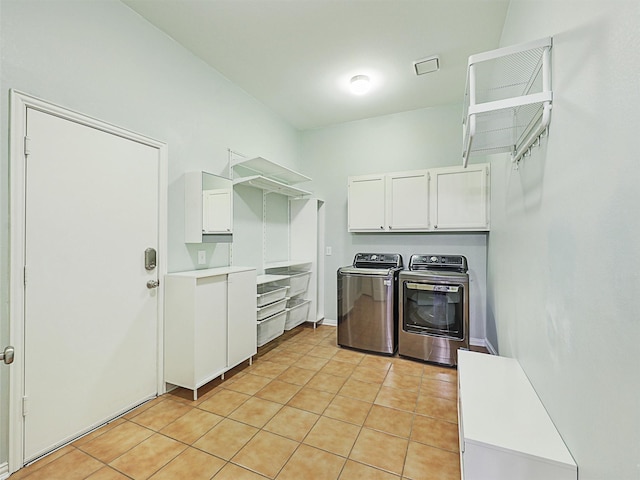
(377, 260)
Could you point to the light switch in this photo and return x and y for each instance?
(202, 257)
(328, 251)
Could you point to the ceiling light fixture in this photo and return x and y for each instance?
(360, 84)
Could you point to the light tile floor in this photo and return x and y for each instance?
(305, 410)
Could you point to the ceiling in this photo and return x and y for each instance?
(297, 56)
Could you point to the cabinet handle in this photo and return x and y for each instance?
(381, 227)
(435, 226)
(389, 227)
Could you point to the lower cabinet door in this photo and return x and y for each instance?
(241, 308)
(209, 334)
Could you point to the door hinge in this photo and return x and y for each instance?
(27, 146)
(25, 406)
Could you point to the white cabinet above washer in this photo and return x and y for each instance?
(437, 199)
(367, 203)
(460, 198)
(407, 193)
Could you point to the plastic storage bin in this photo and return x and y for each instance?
(271, 309)
(297, 312)
(270, 293)
(298, 281)
(271, 328)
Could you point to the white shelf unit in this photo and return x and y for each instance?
(266, 175)
(306, 219)
(307, 232)
(508, 100)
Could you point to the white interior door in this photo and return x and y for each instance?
(91, 322)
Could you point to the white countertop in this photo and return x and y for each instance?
(210, 272)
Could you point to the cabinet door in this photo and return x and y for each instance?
(216, 211)
(408, 200)
(210, 328)
(460, 198)
(242, 329)
(367, 203)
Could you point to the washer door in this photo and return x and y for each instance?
(433, 309)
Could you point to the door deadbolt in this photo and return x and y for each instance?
(7, 355)
(150, 260)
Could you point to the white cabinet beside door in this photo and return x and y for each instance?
(460, 198)
(367, 203)
(217, 211)
(209, 324)
(208, 208)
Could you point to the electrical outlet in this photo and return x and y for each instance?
(327, 251)
(202, 257)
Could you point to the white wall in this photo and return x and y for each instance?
(407, 141)
(102, 59)
(563, 250)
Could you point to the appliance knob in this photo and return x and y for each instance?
(434, 259)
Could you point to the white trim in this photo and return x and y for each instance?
(483, 342)
(4, 471)
(328, 321)
(19, 103)
(491, 348)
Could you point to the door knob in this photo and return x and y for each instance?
(153, 283)
(7, 355)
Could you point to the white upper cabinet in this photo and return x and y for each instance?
(460, 198)
(407, 194)
(367, 203)
(438, 199)
(217, 211)
(208, 208)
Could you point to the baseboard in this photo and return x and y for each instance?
(4, 471)
(329, 322)
(491, 348)
(483, 342)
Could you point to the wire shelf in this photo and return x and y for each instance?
(508, 99)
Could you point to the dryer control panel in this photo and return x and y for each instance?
(442, 262)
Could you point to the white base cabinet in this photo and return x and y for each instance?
(210, 324)
(505, 431)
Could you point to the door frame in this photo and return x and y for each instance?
(19, 103)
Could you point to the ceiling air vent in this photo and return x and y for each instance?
(427, 65)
